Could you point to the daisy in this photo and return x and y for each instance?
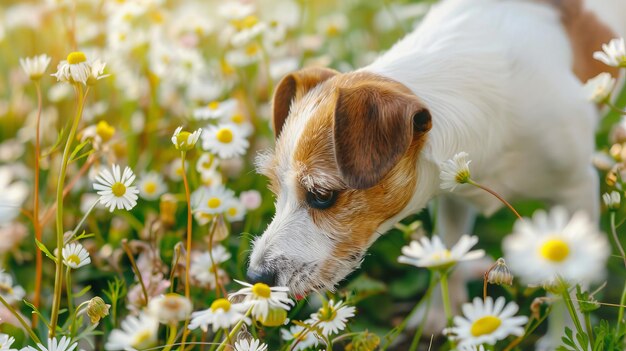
(235, 10)
(75, 255)
(234, 210)
(211, 200)
(151, 186)
(262, 297)
(184, 140)
(96, 72)
(206, 163)
(612, 200)
(432, 253)
(35, 66)
(246, 29)
(170, 308)
(116, 189)
(221, 314)
(455, 171)
(599, 88)
(245, 56)
(487, 322)
(333, 25)
(99, 133)
(211, 178)
(253, 345)
(136, 333)
(216, 109)
(225, 140)
(240, 121)
(11, 293)
(332, 317)
(175, 169)
(75, 69)
(295, 333)
(203, 268)
(613, 53)
(64, 344)
(553, 245)
(5, 342)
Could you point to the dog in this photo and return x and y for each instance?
(357, 152)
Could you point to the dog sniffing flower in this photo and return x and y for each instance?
(170, 308)
(225, 140)
(116, 189)
(553, 245)
(332, 316)
(455, 171)
(75, 255)
(252, 345)
(298, 334)
(151, 186)
(136, 333)
(221, 315)
(599, 88)
(487, 322)
(6, 341)
(184, 140)
(612, 200)
(35, 66)
(432, 253)
(262, 297)
(613, 53)
(63, 344)
(97, 309)
(500, 274)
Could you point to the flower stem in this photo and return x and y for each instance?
(136, 269)
(68, 286)
(233, 331)
(183, 155)
(28, 329)
(616, 238)
(506, 203)
(420, 330)
(570, 307)
(445, 294)
(58, 277)
(586, 316)
(620, 314)
(82, 220)
(173, 330)
(36, 224)
(614, 108)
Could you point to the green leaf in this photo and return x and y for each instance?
(83, 292)
(77, 150)
(56, 145)
(36, 311)
(45, 250)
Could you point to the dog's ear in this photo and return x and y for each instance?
(292, 87)
(375, 123)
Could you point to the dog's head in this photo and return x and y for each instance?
(344, 163)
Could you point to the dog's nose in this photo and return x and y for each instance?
(262, 276)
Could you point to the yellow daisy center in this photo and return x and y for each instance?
(150, 187)
(76, 57)
(73, 258)
(485, 325)
(261, 290)
(214, 202)
(555, 250)
(6, 289)
(332, 30)
(182, 138)
(224, 135)
(462, 177)
(232, 211)
(246, 23)
(252, 50)
(220, 303)
(327, 313)
(105, 131)
(141, 338)
(118, 189)
(213, 105)
(443, 255)
(237, 118)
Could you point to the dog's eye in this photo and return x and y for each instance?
(321, 201)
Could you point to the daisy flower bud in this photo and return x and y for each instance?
(613, 53)
(500, 274)
(599, 88)
(97, 309)
(455, 171)
(612, 200)
(35, 66)
(185, 141)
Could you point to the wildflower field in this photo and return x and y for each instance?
(129, 198)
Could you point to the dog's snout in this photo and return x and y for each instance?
(262, 276)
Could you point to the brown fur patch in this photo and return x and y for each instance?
(587, 33)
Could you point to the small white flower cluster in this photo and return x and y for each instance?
(599, 88)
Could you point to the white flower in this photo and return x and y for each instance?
(96, 72)
(206, 163)
(235, 10)
(5, 342)
(250, 199)
(553, 245)
(613, 53)
(332, 317)
(203, 268)
(432, 253)
(136, 333)
(486, 323)
(151, 186)
(234, 210)
(599, 88)
(11, 293)
(245, 56)
(211, 200)
(455, 171)
(612, 200)
(170, 308)
(75, 69)
(225, 140)
(253, 345)
(64, 344)
(246, 29)
(241, 121)
(221, 314)
(295, 333)
(262, 297)
(116, 189)
(35, 66)
(184, 140)
(12, 195)
(75, 255)
(332, 25)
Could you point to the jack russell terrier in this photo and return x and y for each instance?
(357, 152)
